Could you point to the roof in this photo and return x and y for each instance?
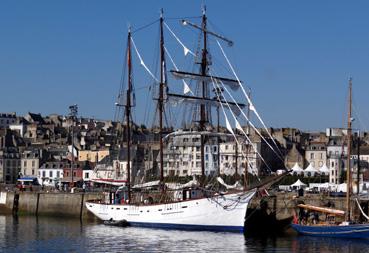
(36, 117)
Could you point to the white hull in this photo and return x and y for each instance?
(221, 213)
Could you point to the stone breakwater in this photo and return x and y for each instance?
(47, 203)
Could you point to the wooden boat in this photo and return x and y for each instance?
(331, 228)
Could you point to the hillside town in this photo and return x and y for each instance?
(64, 151)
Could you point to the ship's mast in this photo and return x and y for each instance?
(248, 146)
(161, 95)
(128, 114)
(348, 172)
(204, 79)
(204, 70)
(358, 164)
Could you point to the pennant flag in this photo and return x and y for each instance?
(186, 88)
(229, 127)
(238, 126)
(185, 49)
(142, 62)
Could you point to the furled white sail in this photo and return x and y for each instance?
(233, 84)
(186, 87)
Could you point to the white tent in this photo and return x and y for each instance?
(296, 170)
(298, 184)
(324, 170)
(342, 187)
(323, 186)
(310, 171)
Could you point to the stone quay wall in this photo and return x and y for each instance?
(48, 203)
(73, 204)
(284, 204)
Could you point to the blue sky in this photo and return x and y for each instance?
(296, 56)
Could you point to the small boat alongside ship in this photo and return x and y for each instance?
(338, 223)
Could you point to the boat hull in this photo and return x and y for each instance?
(343, 231)
(218, 213)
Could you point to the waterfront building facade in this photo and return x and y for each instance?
(10, 165)
(182, 156)
(30, 162)
(336, 159)
(6, 119)
(316, 154)
(92, 155)
(52, 173)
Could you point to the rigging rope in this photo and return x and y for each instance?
(248, 120)
(145, 26)
(185, 49)
(142, 62)
(238, 126)
(186, 88)
(252, 108)
(228, 124)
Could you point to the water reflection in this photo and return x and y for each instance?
(29, 234)
(154, 240)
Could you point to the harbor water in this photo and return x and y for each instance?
(46, 234)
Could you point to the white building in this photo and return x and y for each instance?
(182, 156)
(51, 173)
(336, 158)
(316, 154)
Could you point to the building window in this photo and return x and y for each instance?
(50, 173)
(87, 175)
(33, 164)
(226, 147)
(311, 155)
(43, 173)
(25, 164)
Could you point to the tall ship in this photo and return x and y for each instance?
(194, 205)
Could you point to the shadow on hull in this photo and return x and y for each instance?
(259, 222)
